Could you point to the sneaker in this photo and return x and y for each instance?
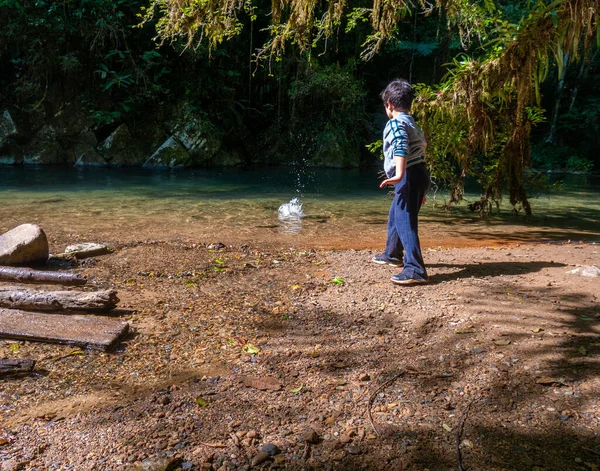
(402, 279)
(383, 260)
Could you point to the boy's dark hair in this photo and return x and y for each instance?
(399, 93)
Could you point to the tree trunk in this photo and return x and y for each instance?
(16, 367)
(27, 275)
(31, 300)
(559, 90)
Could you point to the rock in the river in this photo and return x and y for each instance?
(26, 243)
(170, 154)
(196, 134)
(44, 147)
(7, 128)
(87, 249)
(119, 148)
(84, 150)
(592, 270)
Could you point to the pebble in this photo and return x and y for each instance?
(260, 458)
(353, 450)
(271, 449)
(11, 465)
(311, 437)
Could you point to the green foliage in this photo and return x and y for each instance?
(327, 114)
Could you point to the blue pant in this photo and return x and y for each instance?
(403, 224)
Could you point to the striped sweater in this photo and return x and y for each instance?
(402, 138)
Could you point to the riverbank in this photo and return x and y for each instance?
(498, 354)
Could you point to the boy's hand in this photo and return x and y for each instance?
(389, 181)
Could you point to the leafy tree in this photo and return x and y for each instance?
(479, 118)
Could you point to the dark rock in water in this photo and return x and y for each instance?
(24, 244)
(271, 449)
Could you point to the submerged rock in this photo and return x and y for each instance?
(26, 243)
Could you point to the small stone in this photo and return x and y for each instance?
(311, 437)
(353, 450)
(252, 434)
(87, 249)
(345, 438)
(10, 465)
(159, 463)
(164, 400)
(260, 458)
(271, 449)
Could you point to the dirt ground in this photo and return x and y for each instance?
(493, 365)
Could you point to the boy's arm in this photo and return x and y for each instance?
(400, 169)
(399, 147)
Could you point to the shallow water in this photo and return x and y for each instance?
(343, 208)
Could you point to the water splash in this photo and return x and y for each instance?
(291, 211)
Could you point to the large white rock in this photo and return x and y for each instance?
(24, 244)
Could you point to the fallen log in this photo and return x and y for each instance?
(34, 300)
(94, 332)
(16, 367)
(27, 275)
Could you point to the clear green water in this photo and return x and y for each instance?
(343, 208)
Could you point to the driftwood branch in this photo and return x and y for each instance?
(34, 300)
(27, 275)
(16, 367)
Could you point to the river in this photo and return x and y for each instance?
(343, 208)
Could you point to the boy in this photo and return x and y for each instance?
(404, 163)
